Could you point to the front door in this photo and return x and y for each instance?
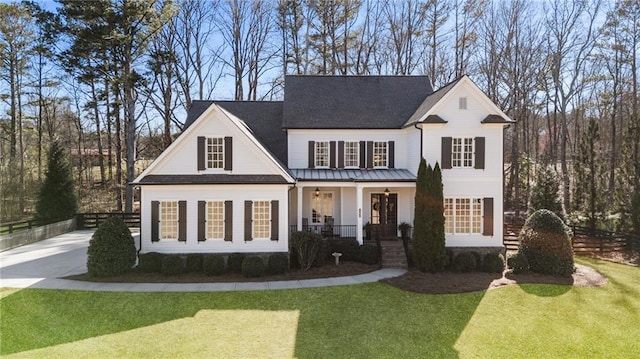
(384, 213)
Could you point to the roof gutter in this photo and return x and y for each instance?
(420, 129)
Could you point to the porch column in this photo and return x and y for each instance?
(299, 207)
(359, 222)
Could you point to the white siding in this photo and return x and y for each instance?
(236, 193)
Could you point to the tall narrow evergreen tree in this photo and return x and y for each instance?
(545, 193)
(436, 254)
(420, 219)
(57, 198)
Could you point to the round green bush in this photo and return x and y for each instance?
(464, 262)
(194, 263)
(213, 264)
(493, 263)
(518, 263)
(150, 262)
(173, 265)
(545, 241)
(348, 247)
(450, 256)
(112, 250)
(278, 263)
(368, 254)
(234, 262)
(253, 267)
(478, 258)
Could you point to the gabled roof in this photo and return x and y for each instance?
(212, 179)
(431, 101)
(352, 102)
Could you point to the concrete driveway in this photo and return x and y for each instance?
(43, 264)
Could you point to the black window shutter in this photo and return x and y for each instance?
(248, 219)
(332, 154)
(340, 154)
(487, 228)
(363, 163)
(228, 153)
(312, 154)
(182, 221)
(201, 153)
(228, 220)
(202, 221)
(369, 154)
(446, 152)
(155, 221)
(275, 214)
(479, 160)
(391, 161)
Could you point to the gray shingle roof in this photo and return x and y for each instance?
(211, 179)
(354, 175)
(347, 102)
(431, 101)
(495, 119)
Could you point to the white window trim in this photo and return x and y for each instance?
(357, 165)
(206, 216)
(206, 154)
(386, 146)
(253, 219)
(160, 220)
(315, 154)
(462, 153)
(471, 216)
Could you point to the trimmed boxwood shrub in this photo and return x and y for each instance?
(464, 262)
(112, 250)
(545, 241)
(478, 258)
(493, 263)
(450, 256)
(368, 254)
(150, 262)
(173, 265)
(348, 247)
(518, 263)
(278, 263)
(234, 262)
(252, 267)
(213, 264)
(194, 263)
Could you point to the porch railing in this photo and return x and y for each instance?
(334, 231)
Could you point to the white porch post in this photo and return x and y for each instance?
(299, 207)
(359, 223)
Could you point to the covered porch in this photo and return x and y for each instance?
(345, 203)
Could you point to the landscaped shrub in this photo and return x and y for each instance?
(278, 263)
(306, 246)
(150, 262)
(545, 241)
(368, 254)
(234, 262)
(493, 263)
(213, 264)
(112, 250)
(252, 267)
(464, 262)
(450, 256)
(194, 263)
(348, 247)
(173, 265)
(324, 253)
(518, 263)
(478, 258)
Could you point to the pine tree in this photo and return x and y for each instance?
(544, 194)
(436, 255)
(420, 219)
(57, 198)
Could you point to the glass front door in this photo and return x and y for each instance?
(384, 213)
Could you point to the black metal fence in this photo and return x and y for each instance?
(333, 231)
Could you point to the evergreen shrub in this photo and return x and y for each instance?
(278, 263)
(112, 250)
(253, 267)
(493, 263)
(150, 262)
(518, 263)
(57, 198)
(213, 264)
(464, 262)
(348, 247)
(478, 258)
(368, 254)
(194, 263)
(234, 262)
(173, 265)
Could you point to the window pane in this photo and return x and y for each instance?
(477, 215)
(215, 152)
(261, 219)
(351, 154)
(215, 220)
(379, 154)
(321, 207)
(169, 220)
(462, 152)
(463, 215)
(322, 154)
(449, 215)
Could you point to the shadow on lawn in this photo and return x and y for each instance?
(370, 320)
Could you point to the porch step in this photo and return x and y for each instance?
(393, 255)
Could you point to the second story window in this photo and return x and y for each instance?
(462, 152)
(215, 152)
(351, 154)
(380, 154)
(322, 154)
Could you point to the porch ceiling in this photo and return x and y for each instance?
(354, 175)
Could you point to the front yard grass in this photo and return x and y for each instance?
(361, 321)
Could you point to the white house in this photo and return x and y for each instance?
(337, 153)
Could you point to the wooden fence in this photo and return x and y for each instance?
(93, 220)
(8, 228)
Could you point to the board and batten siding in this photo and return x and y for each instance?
(192, 194)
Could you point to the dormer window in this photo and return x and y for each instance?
(322, 154)
(215, 152)
(380, 154)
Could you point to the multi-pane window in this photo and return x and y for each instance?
(351, 154)
(462, 152)
(215, 219)
(463, 215)
(322, 154)
(379, 154)
(215, 152)
(169, 220)
(261, 219)
(321, 207)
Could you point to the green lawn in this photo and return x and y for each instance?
(362, 321)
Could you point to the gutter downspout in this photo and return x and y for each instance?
(420, 129)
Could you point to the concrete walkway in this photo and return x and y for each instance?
(42, 264)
